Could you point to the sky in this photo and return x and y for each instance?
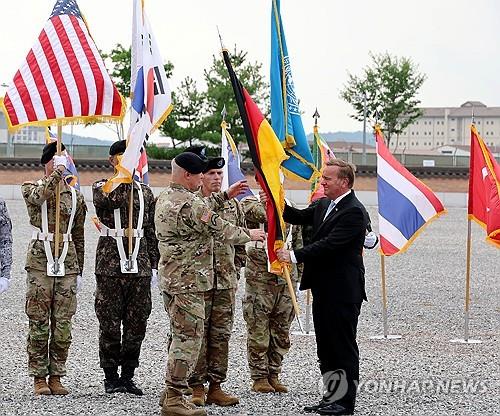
(454, 42)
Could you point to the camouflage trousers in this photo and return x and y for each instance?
(214, 352)
(50, 305)
(187, 313)
(268, 313)
(122, 301)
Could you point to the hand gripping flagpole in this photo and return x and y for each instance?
(386, 334)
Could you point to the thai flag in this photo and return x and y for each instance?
(405, 204)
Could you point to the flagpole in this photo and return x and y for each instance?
(308, 311)
(58, 205)
(466, 339)
(286, 274)
(386, 334)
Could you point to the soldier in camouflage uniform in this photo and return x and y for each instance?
(123, 299)
(50, 300)
(219, 301)
(267, 306)
(185, 227)
(5, 247)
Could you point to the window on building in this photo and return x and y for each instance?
(452, 129)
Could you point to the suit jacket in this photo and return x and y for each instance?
(333, 261)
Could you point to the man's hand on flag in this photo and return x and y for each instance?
(283, 255)
(237, 188)
(257, 234)
(263, 197)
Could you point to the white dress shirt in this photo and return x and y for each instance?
(330, 208)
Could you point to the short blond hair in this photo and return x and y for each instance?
(346, 170)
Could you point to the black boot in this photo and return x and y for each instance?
(112, 383)
(127, 381)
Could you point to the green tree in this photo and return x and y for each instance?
(185, 121)
(220, 92)
(121, 61)
(391, 84)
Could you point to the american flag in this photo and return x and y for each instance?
(63, 76)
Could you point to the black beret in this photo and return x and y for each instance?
(191, 162)
(215, 163)
(48, 152)
(118, 147)
(199, 150)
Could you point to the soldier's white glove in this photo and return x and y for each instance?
(79, 283)
(60, 161)
(371, 240)
(4, 284)
(154, 278)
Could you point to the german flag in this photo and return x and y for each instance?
(484, 188)
(267, 156)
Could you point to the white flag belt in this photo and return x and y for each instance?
(41, 236)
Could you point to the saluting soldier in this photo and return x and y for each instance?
(267, 305)
(220, 300)
(5, 247)
(185, 227)
(123, 282)
(52, 282)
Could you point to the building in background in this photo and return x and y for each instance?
(27, 135)
(449, 126)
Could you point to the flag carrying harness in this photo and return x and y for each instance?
(45, 236)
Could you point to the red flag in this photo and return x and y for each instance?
(63, 77)
(484, 188)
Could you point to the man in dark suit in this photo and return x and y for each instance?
(334, 271)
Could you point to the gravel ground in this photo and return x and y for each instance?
(420, 374)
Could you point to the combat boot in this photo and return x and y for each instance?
(219, 397)
(40, 386)
(56, 387)
(198, 396)
(127, 381)
(112, 383)
(163, 396)
(176, 405)
(262, 385)
(277, 385)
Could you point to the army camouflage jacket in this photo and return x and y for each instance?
(185, 228)
(107, 261)
(5, 241)
(34, 194)
(227, 257)
(256, 263)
